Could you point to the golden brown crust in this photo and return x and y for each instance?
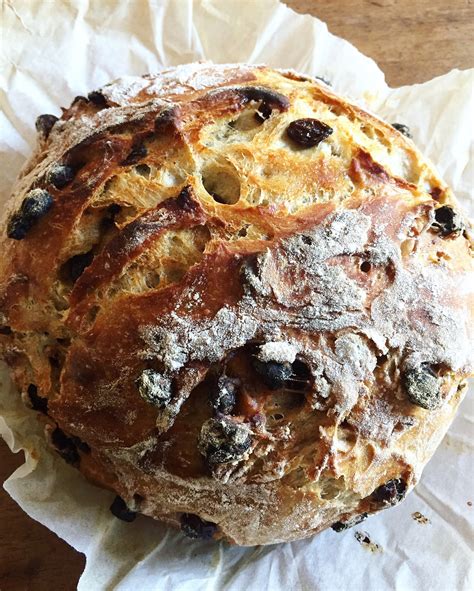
(199, 247)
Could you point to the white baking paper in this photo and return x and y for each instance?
(55, 50)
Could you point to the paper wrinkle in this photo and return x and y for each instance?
(85, 46)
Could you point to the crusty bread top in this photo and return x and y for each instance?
(196, 234)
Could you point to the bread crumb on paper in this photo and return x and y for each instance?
(420, 518)
(364, 540)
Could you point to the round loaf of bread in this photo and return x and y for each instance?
(237, 300)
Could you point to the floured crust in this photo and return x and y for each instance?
(199, 243)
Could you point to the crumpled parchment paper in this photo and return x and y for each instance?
(54, 50)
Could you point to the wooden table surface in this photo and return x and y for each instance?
(412, 41)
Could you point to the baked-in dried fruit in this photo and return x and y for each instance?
(167, 120)
(60, 175)
(65, 446)
(35, 205)
(343, 525)
(404, 129)
(263, 112)
(300, 378)
(154, 387)
(390, 493)
(224, 440)
(138, 152)
(78, 99)
(97, 98)
(270, 97)
(37, 402)
(273, 374)
(422, 387)
(120, 510)
(308, 133)
(45, 123)
(269, 100)
(194, 527)
(224, 394)
(447, 221)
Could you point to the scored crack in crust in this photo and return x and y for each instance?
(237, 300)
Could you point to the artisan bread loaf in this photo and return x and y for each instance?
(237, 300)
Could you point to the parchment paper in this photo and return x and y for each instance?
(54, 50)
